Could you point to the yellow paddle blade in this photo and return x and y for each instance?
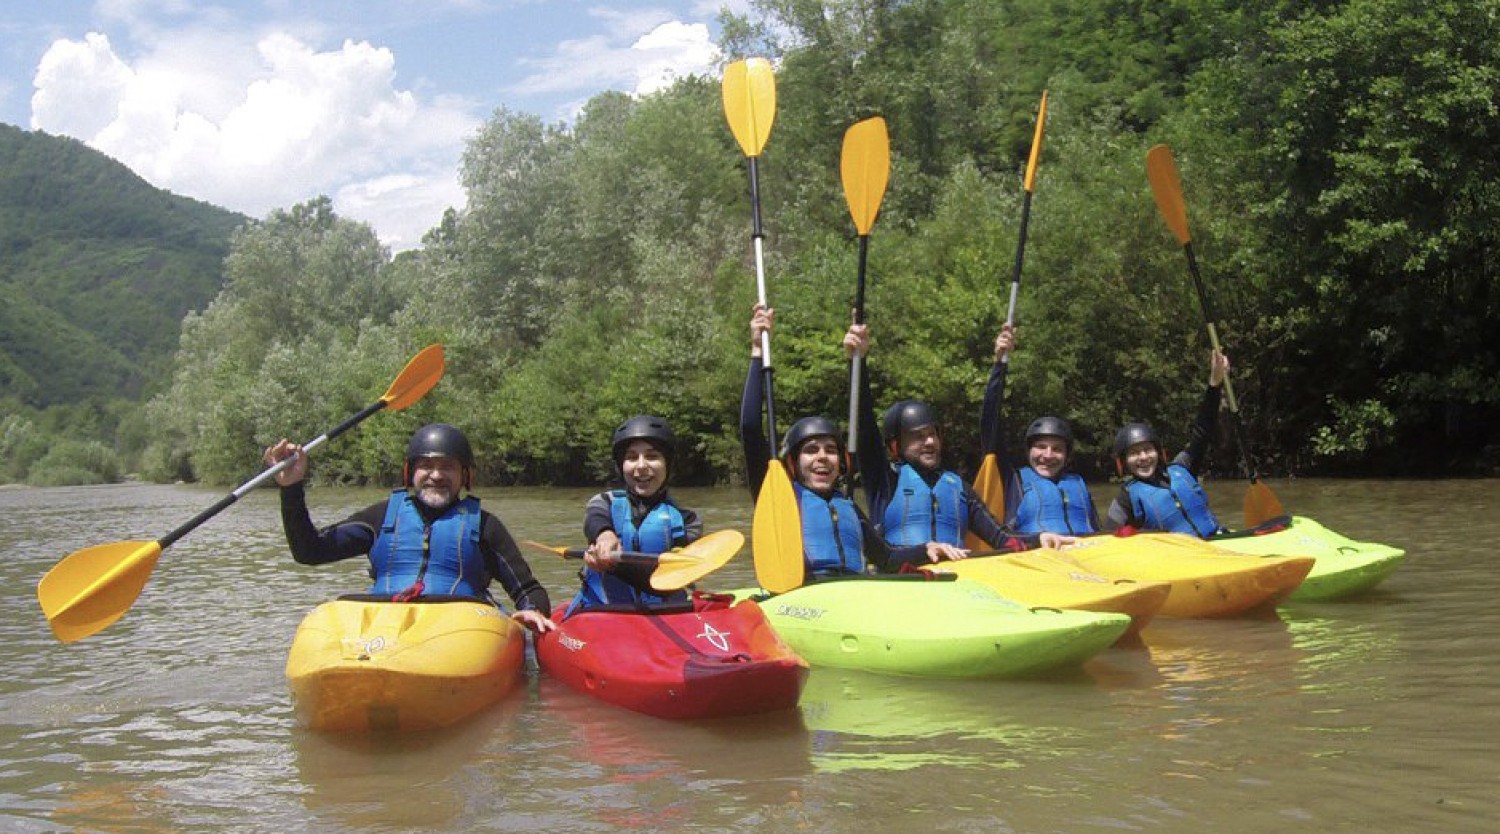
(416, 379)
(1166, 186)
(681, 568)
(1036, 144)
(561, 552)
(776, 533)
(1261, 505)
(865, 166)
(749, 90)
(990, 487)
(91, 588)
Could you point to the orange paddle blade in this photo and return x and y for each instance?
(416, 379)
(1261, 505)
(1036, 144)
(1166, 187)
(990, 487)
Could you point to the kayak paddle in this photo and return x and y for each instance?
(749, 90)
(989, 484)
(675, 569)
(865, 166)
(1261, 503)
(91, 588)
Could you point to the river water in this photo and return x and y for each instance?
(1376, 714)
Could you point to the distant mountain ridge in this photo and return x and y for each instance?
(97, 269)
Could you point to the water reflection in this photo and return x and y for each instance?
(403, 780)
(863, 721)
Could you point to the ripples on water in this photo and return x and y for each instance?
(1371, 715)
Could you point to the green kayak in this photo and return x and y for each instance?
(1343, 567)
(908, 626)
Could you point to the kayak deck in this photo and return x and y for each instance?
(359, 666)
(713, 661)
(1343, 568)
(1040, 578)
(908, 626)
(1206, 581)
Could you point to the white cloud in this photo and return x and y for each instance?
(259, 126)
(642, 54)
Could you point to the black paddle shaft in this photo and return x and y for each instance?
(223, 503)
(1213, 338)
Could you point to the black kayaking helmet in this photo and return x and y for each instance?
(806, 429)
(904, 416)
(439, 440)
(1049, 426)
(653, 430)
(1129, 435)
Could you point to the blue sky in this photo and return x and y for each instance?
(260, 104)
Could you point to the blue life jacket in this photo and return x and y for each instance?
(918, 513)
(660, 527)
(445, 557)
(832, 540)
(1180, 507)
(1046, 506)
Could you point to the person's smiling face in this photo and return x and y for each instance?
(644, 468)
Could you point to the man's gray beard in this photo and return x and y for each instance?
(448, 499)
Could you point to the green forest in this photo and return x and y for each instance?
(97, 270)
(1337, 164)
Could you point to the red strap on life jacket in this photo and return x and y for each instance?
(410, 593)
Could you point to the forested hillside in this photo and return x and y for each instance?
(97, 269)
(1339, 172)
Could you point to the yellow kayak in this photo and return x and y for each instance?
(1206, 581)
(1043, 578)
(358, 666)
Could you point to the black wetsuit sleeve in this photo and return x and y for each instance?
(1201, 433)
(875, 473)
(504, 561)
(597, 517)
(692, 527)
(983, 524)
(752, 429)
(991, 432)
(882, 556)
(310, 546)
(1121, 511)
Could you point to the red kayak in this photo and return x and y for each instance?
(703, 659)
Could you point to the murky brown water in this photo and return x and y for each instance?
(1381, 714)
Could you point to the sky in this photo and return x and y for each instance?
(255, 105)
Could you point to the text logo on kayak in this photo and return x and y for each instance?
(800, 612)
(571, 643)
(719, 639)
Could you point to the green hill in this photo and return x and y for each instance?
(97, 269)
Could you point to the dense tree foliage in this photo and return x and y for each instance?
(1336, 162)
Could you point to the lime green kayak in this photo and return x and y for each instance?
(1343, 567)
(908, 626)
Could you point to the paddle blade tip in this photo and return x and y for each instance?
(749, 92)
(92, 588)
(420, 375)
(776, 533)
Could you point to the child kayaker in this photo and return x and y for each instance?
(641, 517)
(1157, 496)
(1043, 495)
(912, 498)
